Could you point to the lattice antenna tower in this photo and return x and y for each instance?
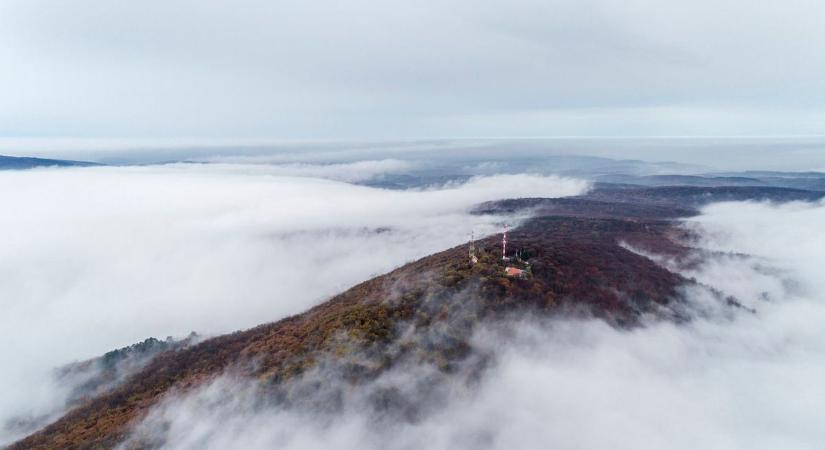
(504, 243)
(473, 257)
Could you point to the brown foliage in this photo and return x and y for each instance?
(576, 265)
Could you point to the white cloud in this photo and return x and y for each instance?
(751, 381)
(94, 259)
(350, 172)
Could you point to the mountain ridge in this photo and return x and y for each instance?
(27, 162)
(575, 252)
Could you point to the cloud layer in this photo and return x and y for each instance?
(747, 381)
(95, 259)
(358, 69)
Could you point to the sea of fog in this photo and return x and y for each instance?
(741, 381)
(98, 258)
(95, 259)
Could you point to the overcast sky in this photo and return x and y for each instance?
(262, 69)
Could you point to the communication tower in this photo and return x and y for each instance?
(504, 244)
(473, 257)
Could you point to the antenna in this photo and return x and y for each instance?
(473, 258)
(504, 243)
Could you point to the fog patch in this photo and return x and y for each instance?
(747, 380)
(347, 171)
(99, 258)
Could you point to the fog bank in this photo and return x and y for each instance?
(741, 381)
(95, 259)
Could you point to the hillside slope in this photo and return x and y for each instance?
(576, 261)
(576, 265)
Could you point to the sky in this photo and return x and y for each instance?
(186, 70)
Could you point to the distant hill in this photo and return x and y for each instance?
(607, 200)
(793, 180)
(693, 197)
(21, 163)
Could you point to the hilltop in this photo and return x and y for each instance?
(577, 261)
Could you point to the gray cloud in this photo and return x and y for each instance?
(410, 69)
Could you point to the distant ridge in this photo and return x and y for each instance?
(795, 180)
(24, 162)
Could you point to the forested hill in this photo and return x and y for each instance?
(695, 197)
(629, 201)
(20, 163)
(571, 259)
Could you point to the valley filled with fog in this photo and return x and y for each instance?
(412, 225)
(747, 380)
(99, 258)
